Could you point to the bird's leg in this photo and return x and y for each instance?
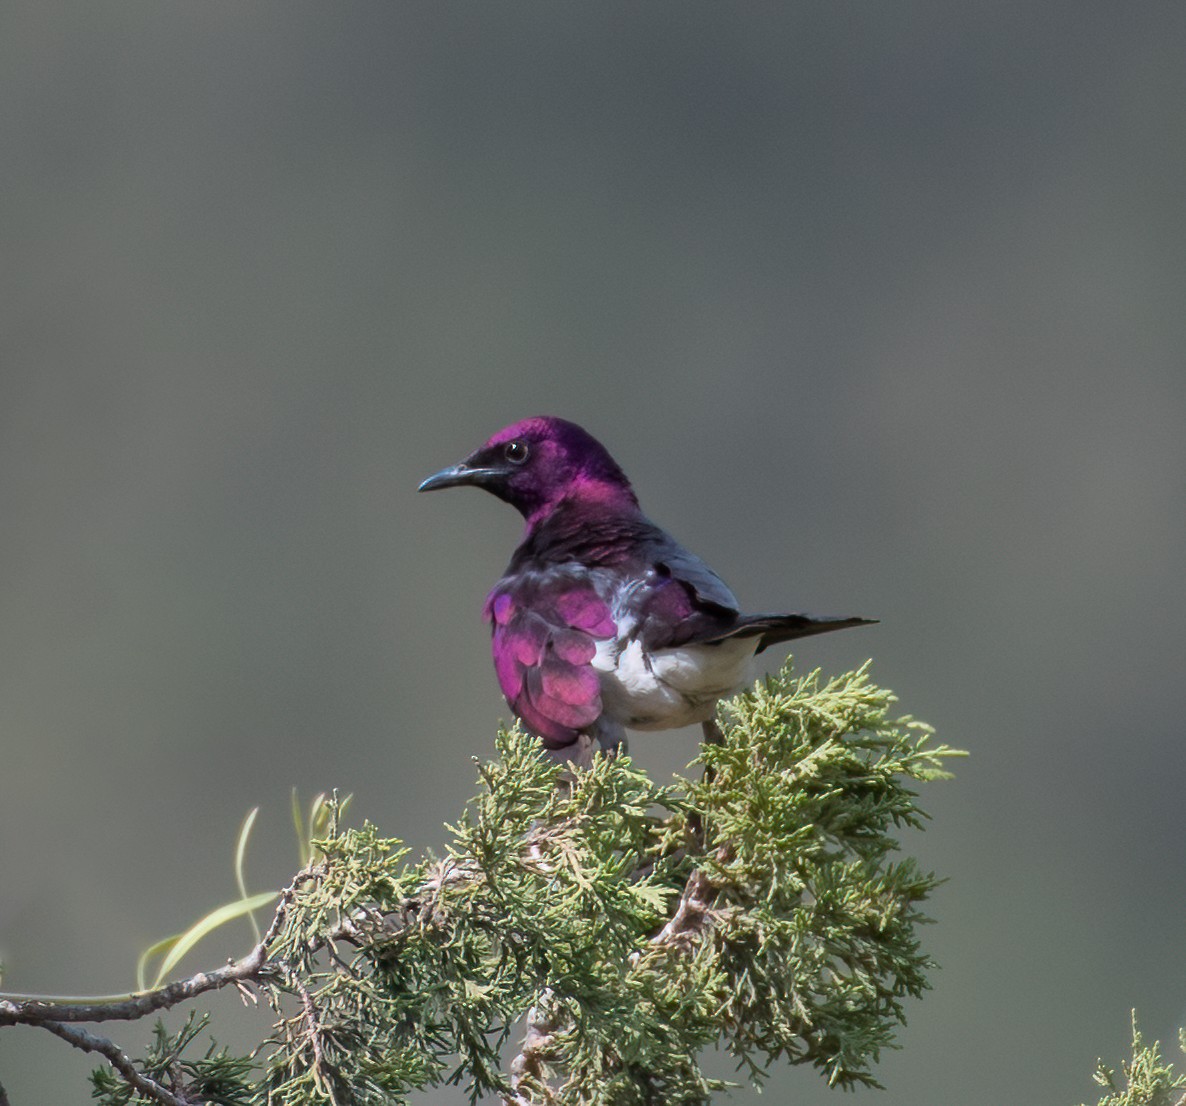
(573, 759)
(578, 752)
(712, 732)
(712, 736)
(608, 738)
(611, 736)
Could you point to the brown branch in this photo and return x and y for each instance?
(691, 915)
(529, 1069)
(321, 1072)
(38, 1010)
(15, 1010)
(118, 1059)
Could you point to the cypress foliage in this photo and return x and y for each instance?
(617, 926)
(587, 937)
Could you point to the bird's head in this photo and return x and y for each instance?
(538, 464)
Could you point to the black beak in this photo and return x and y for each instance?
(457, 475)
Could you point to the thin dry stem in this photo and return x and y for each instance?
(117, 1058)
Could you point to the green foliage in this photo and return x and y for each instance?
(628, 925)
(542, 886)
(215, 1076)
(1147, 1079)
(817, 933)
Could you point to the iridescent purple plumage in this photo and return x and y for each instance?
(603, 621)
(544, 639)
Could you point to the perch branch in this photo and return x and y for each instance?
(117, 1058)
(38, 1009)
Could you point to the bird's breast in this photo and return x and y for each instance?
(665, 688)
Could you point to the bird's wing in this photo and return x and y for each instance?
(673, 560)
(679, 599)
(545, 629)
(689, 603)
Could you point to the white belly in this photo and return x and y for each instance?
(669, 687)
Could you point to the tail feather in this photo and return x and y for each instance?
(775, 628)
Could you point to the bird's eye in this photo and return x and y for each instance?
(516, 452)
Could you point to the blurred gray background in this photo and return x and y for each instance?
(881, 307)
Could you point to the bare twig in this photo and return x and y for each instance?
(118, 1059)
(15, 1010)
(529, 1069)
(313, 1029)
(691, 914)
(37, 1010)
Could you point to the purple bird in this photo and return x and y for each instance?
(603, 621)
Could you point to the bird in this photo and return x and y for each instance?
(602, 621)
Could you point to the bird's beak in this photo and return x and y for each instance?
(457, 475)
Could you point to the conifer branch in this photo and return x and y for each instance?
(40, 1009)
(622, 926)
(35, 1010)
(1146, 1079)
(528, 1070)
(117, 1058)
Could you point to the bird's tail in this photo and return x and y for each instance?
(770, 629)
